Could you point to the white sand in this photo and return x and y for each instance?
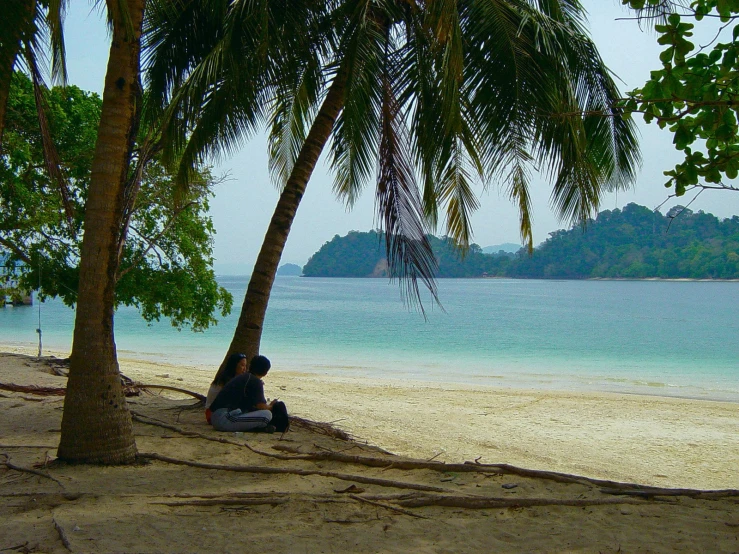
(659, 441)
(302, 505)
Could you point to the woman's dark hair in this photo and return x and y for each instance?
(228, 371)
(259, 365)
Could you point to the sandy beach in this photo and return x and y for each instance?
(658, 441)
(398, 485)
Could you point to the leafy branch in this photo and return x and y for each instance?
(696, 92)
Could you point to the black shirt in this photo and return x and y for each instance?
(243, 391)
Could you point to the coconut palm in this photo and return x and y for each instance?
(26, 28)
(429, 98)
(25, 25)
(96, 425)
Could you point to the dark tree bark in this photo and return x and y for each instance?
(96, 425)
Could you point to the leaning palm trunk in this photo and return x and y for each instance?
(96, 425)
(248, 334)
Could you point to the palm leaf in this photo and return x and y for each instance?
(399, 205)
(355, 138)
(52, 160)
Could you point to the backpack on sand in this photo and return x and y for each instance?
(280, 419)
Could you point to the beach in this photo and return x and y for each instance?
(652, 440)
(397, 484)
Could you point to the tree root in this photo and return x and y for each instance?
(319, 428)
(477, 503)
(650, 492)
(373, 461)
(23, 547)
(608, 487)
(274, 501)
(22, 446)
(397, 502)
(7, 463)
(62, 534)
(141, 418)
(287, 471)
(145, 387)
(34, 389)
(130, 388)
(387, 506)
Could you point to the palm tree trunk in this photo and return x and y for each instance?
(96, 425)
(19, 19)
(248, 332)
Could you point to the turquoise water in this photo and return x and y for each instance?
(661, 338)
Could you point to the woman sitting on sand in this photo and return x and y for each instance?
(235, 365)
(241, 405)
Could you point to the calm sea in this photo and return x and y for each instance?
(661, 338)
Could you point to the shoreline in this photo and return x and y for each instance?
(660, 279)
(652, 440)
(506, 380)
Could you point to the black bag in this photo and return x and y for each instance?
(280, 419)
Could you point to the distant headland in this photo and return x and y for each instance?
(633, 243)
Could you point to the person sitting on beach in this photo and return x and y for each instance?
(241, 405)
(235, 365)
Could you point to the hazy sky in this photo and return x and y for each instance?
(243, 205)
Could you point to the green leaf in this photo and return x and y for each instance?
(683, 137)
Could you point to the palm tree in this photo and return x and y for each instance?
(26, 24)
(96, 425)
(430, 97)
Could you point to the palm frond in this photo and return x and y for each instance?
(455, 191)
(293, 110)
(355, 138)
(56, 12)
(52, 160)
(399, 206)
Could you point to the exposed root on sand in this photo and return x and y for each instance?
(295, 471)
(7, 463)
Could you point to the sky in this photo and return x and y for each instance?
(244, 203)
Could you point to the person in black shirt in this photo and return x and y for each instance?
(241, 405)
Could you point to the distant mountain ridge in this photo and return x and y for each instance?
(633, 243)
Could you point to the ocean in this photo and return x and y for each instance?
(641, 337)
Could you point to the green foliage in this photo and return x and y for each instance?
(166, 262)
(694, 94)
(638, 243)
(362, 255)
(433, 99)
(633, 243)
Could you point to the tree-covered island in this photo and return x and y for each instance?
(632, 243)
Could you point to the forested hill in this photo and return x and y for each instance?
(363, 255)
(633, 243)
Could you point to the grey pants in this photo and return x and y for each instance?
(236, 420)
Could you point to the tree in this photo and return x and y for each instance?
(96, 424)
(25, 28)
(166, 266)
(694, 93)
(26, 24)
(435, 96)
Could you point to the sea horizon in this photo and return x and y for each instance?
(658, 338)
